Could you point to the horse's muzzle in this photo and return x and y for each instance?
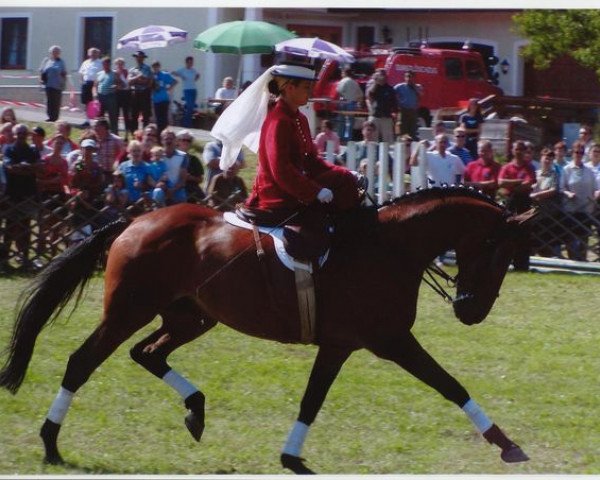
(467, 310)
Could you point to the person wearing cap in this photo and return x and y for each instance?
(89, 70)
(140, 80)
(195, 170)
(290, 175)
(38, 136)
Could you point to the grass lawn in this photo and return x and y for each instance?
(533, 366)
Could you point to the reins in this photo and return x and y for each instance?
(432, 270)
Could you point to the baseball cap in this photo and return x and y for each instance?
(140, 53)
(39, 131)
(88, 143)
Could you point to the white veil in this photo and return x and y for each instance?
(240, 122)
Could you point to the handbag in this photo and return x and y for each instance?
(93, 109)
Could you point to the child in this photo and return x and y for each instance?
(158, 172)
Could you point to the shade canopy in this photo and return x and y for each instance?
(314, 48)
(152, 36)
(241, 37)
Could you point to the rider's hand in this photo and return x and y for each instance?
(325, 195)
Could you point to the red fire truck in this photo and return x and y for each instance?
(449, 77)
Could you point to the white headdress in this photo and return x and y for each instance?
(241, 122)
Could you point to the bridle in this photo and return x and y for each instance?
(432, 271)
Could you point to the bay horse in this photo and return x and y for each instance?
(366, 297)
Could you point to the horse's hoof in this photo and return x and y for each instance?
(514, 454)
(194, 425)
(295, 464)
(54, 459)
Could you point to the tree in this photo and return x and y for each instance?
(553, 33)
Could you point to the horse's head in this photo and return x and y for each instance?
(483, 259)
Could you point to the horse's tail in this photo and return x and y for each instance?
(48, 295)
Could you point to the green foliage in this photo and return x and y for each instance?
(553, 33)
(532, 365)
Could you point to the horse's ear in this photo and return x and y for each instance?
(523, 218)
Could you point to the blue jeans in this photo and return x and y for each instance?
(346, 123)
(158, 195)
(189, 98)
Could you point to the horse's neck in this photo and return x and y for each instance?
(424, 230)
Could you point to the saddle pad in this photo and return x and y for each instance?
(276, 234)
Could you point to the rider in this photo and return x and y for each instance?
(290, 174)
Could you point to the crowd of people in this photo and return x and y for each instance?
(100, 172)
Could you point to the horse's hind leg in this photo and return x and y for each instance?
(408, 353)
(182, 322)
(82, 363)
(327, 365)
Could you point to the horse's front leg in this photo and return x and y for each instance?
(407, 352)
(327, 365)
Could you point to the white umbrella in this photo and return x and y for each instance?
(152, 36)
(314, 48)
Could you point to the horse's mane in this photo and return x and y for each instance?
(419, 197)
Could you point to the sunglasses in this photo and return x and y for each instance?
(185, 139)
(460, 136)
(580, 152)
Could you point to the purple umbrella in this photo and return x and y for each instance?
(152, 36)
(314, 48)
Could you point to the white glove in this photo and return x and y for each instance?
(325, 195)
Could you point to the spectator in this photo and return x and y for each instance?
(516, 180)
(227, 92)
(109, 147)
(594, 161)
(52, 184)
(458, 148)
(176, 161)
(195, 170)
(136, 172)
(189, 76)
(483, 172)
(53, 75)
(77, 154)
(369, 134)
(409, 94)
(140, 80)
(351, 96)
(442, 166)
(38, 135)
(581, 192)
(7, 136)
(586, 136)
(87, 186)
(158, 172)
(116, 197)
(546, 192)
(471, 122)
(227, 189)
(163, 85)
(21, 164)
(64, 130)
(88, 71)
(530, 155)
(327, 135)
(560, 155)
(8, 115)
(211, 156)
(382, 105)
(437, 128)
(123, 95)
(105, 88)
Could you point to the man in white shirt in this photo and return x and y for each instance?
(442, 166)
(89, 70)
(352, 96)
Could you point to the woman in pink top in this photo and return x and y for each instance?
(327, 134)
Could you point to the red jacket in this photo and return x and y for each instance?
(288, 163)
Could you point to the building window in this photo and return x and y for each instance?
(13, 51)
(97, 32)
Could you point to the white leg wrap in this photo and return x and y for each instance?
(476, 415)
(60, 406)
(295, 440)
(180, 384)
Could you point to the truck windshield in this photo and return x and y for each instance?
(474, 70)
